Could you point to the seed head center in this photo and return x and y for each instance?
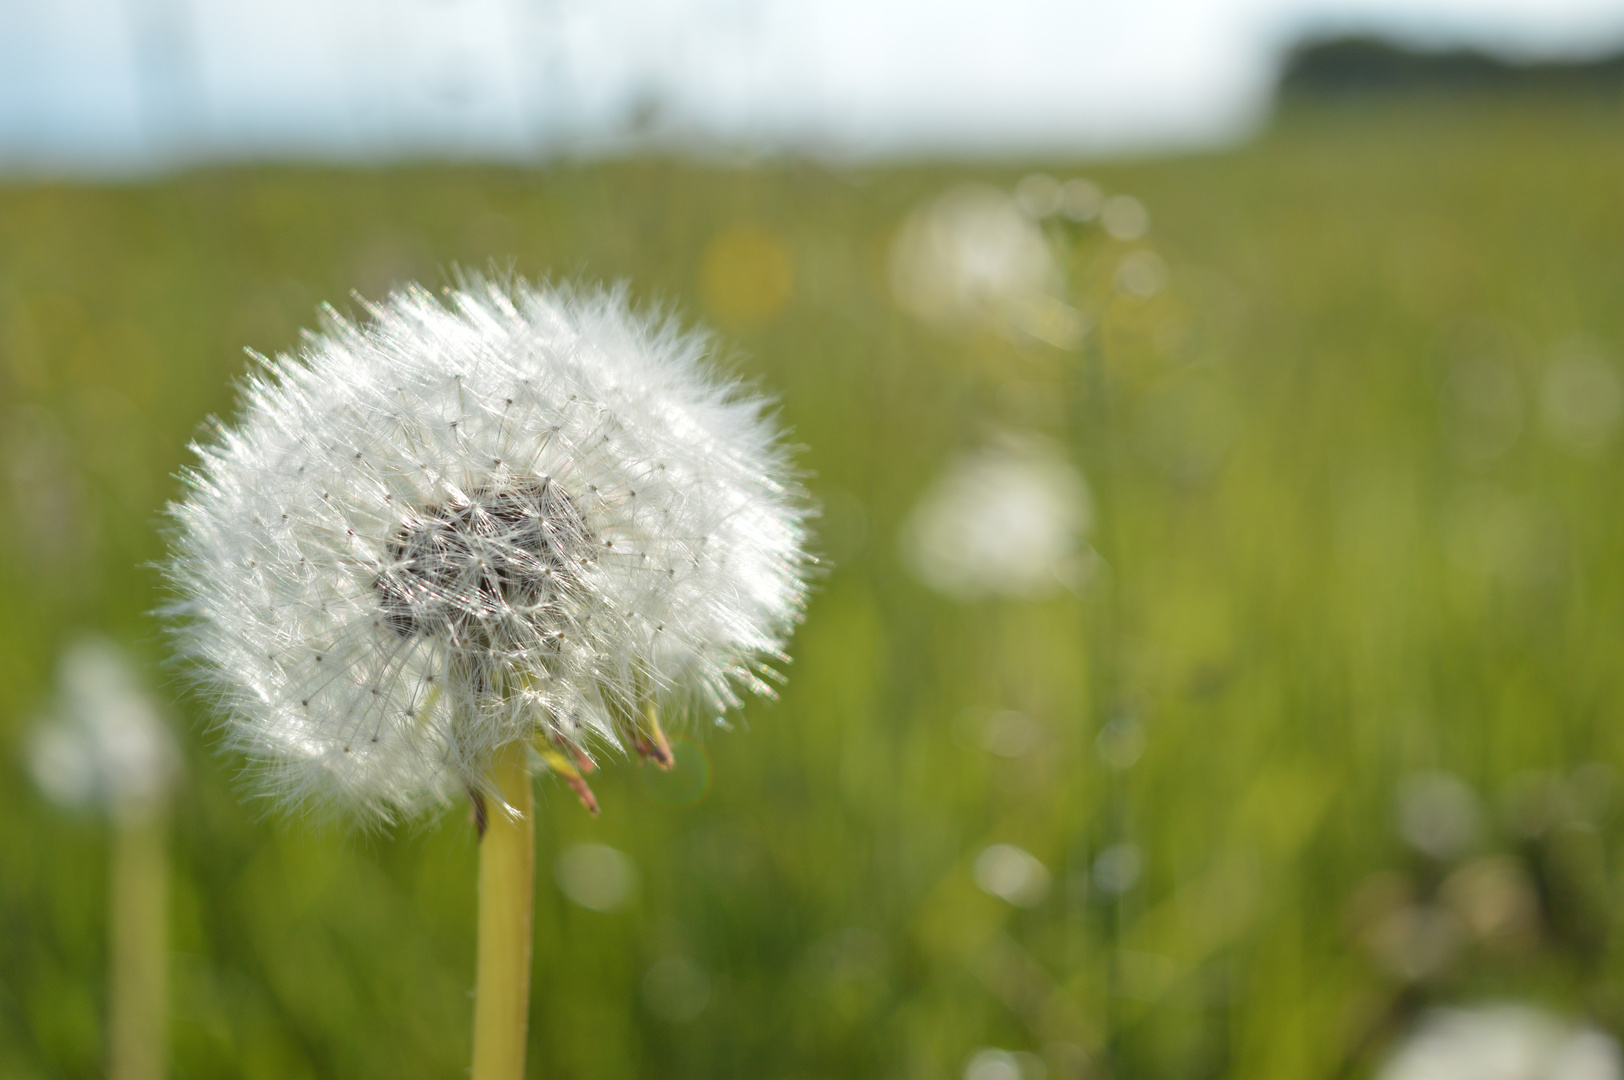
(491, 568)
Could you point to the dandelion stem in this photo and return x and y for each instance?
(507, 856)
(138, 996)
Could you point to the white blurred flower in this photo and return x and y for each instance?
(1005, 520)
(1012, 874)
(991, 1063)
(975, 257)
(1503, 1042)
(107, 744)
(515, 515)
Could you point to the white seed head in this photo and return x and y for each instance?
(107, 744)
(968, 256)
(1005, 520)
(517, 514)
(974, 257)
(1503, 1042)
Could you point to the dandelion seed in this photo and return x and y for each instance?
(455, 561)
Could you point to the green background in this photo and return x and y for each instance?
(1334, 559)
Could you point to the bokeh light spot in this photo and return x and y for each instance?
(1437, 814)
(1012, 874)
(597, 876)
(1581, 403)
(1124, 218)
(676, 989)
(688, 779)
(1117, 869)
(746, 276)
(1080, 200)
(1039, 195)
(991, 1063)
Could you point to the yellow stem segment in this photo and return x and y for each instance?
(507, 856)
(138, 918)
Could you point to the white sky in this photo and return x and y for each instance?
(114, 85)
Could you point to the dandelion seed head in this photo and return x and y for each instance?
(106, 743)
(970, 256)
(1005, 520)
(512, 514)
(975, 257)
(1503, 1042)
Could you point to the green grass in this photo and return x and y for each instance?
(1336, 559)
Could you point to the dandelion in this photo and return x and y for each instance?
(1005, 520)
(469, 536)
(108, 748)
(1503, 1042)
(974, 257)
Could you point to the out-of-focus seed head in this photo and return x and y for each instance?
(106, 743)
(1516, 1042)
(974, 257)
(1008, 519)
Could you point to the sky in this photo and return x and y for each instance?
(113, 86)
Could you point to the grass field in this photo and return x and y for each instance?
(1356, 484)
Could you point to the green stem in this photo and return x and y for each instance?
(137, 915)
(507, 856)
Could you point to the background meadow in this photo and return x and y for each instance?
(1328, 733)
